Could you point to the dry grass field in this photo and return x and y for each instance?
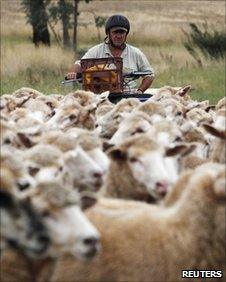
(156, 27)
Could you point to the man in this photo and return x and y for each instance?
(117, 28)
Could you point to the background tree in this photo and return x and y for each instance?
(37, 17)
(211, 43)
(65, 11)
(75, 23)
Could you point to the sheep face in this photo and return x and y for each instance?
(107, 124)
(70, 230)
(69, 116)
(148, 167)
(151, 170)
(149, 163)
(78, 236)
(21, 226)
(64, 117)
(14, 175)
(100, 158)
(81, 171)
(132, 125)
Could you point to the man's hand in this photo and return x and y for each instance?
(139, 91)
(71, 75)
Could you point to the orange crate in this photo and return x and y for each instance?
(99, 75)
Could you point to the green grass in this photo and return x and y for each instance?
(46, 84)
(208, 82)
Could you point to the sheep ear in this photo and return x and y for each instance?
(117, 154)
(104, 95)
(25, 140)
(107, 146)
(181, 149)
(184, 90)
(210, 107)
(214, 131)
(33, 170)
(88, 199)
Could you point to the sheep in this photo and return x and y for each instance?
(92, 144)
(168, 132)
(177, 190)
(153, 109)
(43, 154)
(21, 179)
(26, 91)
(65, 141)
(139, 166)
(58, 206)
(174, 110)
(133, 123)
(21, 226)
(84, 98)
(187, 235)
(71, 115)
(220, 119)
(68, 226)
(193, 133)
(42, 107)
(198, 116)
(221, 104)
(191, 162)
(217, 151)
(107, 124)
(79, 170)
(180, 94)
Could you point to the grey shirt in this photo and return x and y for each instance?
(133, 59)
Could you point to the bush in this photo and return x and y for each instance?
(211, 44)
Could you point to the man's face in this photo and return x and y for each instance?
(118, 36)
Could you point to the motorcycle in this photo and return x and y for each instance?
(105, 74)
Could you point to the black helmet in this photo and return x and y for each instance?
(117, 20)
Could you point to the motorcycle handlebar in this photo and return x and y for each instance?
(137, 74)
(134, 74)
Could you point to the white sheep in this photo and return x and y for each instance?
(134, 123)
(140, 165)
(107, 124)
(154, 243)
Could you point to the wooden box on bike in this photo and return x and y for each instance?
(105, 74)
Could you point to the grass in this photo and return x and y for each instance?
(156, 29)
(208, 82)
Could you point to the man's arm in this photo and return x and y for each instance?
(75, 68)
(145, 83)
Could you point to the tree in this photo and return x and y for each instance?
(65, 10)
(211, 43)
(75, 24)
(37, 17)
(76, 14)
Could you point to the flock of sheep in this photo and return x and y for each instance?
(93, 191)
